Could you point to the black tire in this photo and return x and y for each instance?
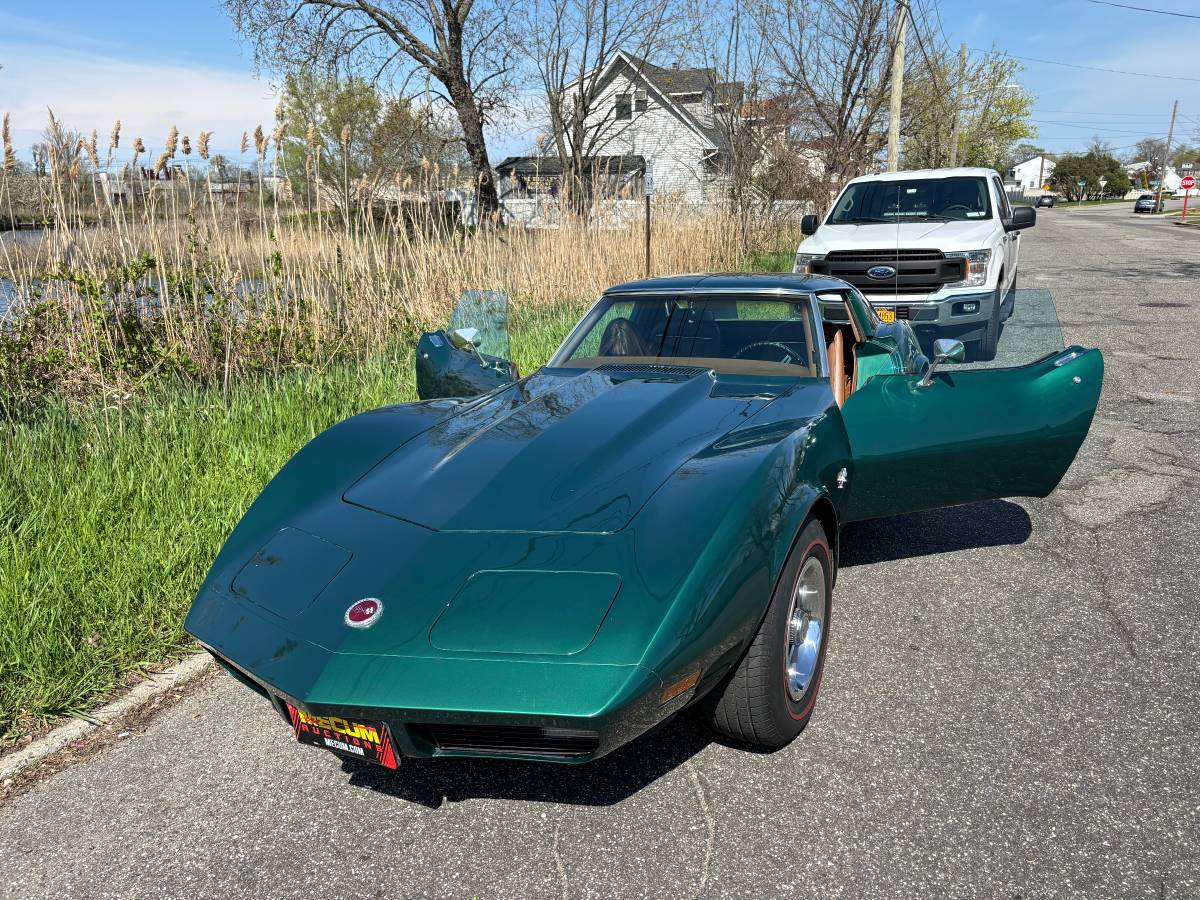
(985, 347)
(755, 705)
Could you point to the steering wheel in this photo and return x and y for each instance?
(961, 206)
(789, 355)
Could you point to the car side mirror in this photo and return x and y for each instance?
(1023, 217)
(465, 338)
(468, 339)
(945, 350)
(808, 225)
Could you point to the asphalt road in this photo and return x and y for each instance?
(1010, 707)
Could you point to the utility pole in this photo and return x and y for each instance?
(1162, 176)
(958, 102)
(897, 87)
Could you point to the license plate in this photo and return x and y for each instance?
(361, 740)
(885, 314)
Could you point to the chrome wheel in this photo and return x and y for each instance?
(806, 628)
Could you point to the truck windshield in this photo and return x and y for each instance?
(917, 199)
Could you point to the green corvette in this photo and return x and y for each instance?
(546, 567)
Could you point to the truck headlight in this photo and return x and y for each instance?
(804, 262)
(977, 266)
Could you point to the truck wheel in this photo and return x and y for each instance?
(770, 696)
(985, 347)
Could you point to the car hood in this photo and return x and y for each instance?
(957, 235)
(565, 450)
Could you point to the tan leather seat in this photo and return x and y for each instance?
(836, 353)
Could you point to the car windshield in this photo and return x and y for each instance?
(738, 334)
(916, 199)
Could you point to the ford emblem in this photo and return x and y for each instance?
(364, 613)
(879, 273)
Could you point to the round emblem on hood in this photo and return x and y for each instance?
(364, 613)
(879, 273)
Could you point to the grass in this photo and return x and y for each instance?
(109, 517)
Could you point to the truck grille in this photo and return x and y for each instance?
(917, 271)
(516, 739)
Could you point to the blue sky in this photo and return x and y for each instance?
(157, 64)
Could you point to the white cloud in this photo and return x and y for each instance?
(88, 89)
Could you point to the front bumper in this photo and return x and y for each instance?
(946, 314)
(439, 706)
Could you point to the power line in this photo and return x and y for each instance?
(1100, 112)
(1054, 62)
(1161, 12)
(1090, 127)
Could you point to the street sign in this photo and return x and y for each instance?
(1187, 167)
(1187, 182)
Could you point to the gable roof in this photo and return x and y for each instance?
(666, 84)
(686, 81)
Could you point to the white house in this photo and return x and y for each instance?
(1170, 181)
(1031, 174)
(663, 124)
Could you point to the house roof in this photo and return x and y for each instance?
(551, 166)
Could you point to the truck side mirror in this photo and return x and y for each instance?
(1023, 217)
(808, 225)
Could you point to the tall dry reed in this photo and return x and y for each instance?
(188, 275)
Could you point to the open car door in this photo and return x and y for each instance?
(471, 356)
(969, 435)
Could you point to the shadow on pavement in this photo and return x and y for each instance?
(992, 523)
(608, 780)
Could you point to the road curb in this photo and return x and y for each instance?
(186, 670)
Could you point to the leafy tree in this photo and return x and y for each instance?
(341, 136)
(1185, 154)
(994, 111)
(1089, 167)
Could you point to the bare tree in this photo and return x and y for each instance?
(457, 47)
(747, 120)
(569, 45)
(833, 57)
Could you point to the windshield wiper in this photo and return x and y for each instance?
(937, 217)
(854, 220)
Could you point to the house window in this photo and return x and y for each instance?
(624, 107)
(640, 101)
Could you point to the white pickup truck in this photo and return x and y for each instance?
(936, 247)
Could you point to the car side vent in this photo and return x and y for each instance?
(521, 740)
(650, 371)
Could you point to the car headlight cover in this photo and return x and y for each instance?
(804, 262)
(977, 266)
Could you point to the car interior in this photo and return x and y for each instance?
(744, 329)
(842, 341)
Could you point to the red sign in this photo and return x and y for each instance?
(1187, 182)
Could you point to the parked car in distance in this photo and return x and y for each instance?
(1046, 200)
(936, 247)
(1146, 204)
